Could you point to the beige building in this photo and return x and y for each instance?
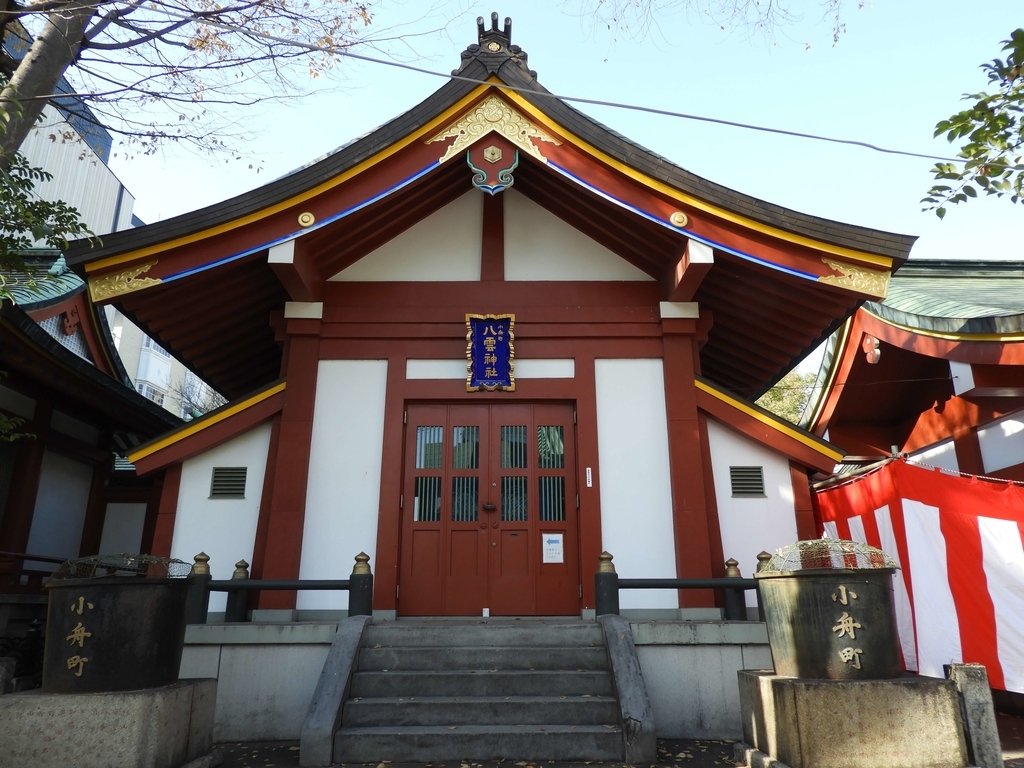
(157, 375)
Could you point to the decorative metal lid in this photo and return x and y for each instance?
(828, 554)
(104, 566)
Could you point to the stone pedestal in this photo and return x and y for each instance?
(906, 722)
(164, 727)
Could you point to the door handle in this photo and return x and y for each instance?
(489, 508)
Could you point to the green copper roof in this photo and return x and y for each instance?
(956, 296)
(47, 280)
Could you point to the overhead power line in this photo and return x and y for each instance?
(574, 99)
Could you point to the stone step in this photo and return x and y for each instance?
(482, 633)
(478, 742)
(502, 657)
(481, 710)
(480, 683)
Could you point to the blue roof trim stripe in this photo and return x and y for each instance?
(329, 220)
(678, 230)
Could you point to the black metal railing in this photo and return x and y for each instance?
(16, 578)
(607, 585)
(238, 588)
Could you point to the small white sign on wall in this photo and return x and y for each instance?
(552, 547)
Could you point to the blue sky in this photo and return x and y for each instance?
(900, 67)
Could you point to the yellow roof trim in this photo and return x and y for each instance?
(448, 115)
(998, 337)
(428, 128)
(198, 426)
(682, 197)
(784, 428)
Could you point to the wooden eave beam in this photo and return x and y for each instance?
(740, 302)
(294, 267)
(727, 374)
(744, 356)
(732, 325)
(237, 314)
(685, 276)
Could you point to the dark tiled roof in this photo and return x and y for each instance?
(510, 64)
(133, 407)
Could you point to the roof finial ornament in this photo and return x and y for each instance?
(493, 48)
(481, 31)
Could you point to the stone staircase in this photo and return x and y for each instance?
(525, 690)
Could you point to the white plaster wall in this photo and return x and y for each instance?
(538, 368)
(225, 529)
(750, 526)
(343, 490)
(1002, 442)
(59, 513)
(122, 528)
(540, 246)
(942, 455)
(634, 478)
(444, 246)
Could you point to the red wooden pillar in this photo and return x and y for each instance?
(802, 505)
(95, 512)
(689, 502)
(291, 468)
(157, 536)
(586, 457)
(711, 499)
(28, 468)
(968, 451)
(259, 548)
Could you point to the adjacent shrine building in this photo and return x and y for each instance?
(484, 343)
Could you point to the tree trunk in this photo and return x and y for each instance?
(53, 51)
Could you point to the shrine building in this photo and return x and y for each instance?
(482, 344)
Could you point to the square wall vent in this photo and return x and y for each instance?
(228, 483)
(747, 482)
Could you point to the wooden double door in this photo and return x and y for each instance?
(489, 511)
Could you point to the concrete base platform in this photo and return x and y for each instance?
(907, 722)
(165, 727)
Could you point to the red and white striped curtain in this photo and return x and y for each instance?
(960, 593)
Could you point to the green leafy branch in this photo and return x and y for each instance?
(26, 220)
(993, 155)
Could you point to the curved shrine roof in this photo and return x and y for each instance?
(780, 281)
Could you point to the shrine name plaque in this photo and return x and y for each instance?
(490, 352)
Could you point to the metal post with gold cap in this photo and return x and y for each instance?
(606, 586)
(237, 608)
(198, 601)
(735, 604)
(360, 587)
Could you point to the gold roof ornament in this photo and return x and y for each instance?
(874, 282)
(493, 115)
(108, 286)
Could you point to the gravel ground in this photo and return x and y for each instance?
(672, 753)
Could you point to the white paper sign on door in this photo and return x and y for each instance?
(552, 549)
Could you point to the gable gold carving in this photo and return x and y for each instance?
(493, 115)
(874, 282)
(117, 283)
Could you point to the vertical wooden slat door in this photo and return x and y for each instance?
(489, 515)
(465, 567)
(511, 524)
(421, 576)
